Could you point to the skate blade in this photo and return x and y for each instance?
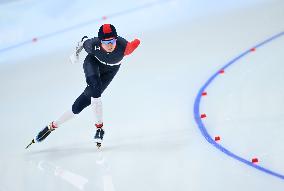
(33, 141)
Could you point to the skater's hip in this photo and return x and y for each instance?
(93, 66)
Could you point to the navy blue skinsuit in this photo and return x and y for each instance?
(100, 67)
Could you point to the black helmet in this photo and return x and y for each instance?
(107, 31)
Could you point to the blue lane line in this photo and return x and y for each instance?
(74, 27)
(202, 127)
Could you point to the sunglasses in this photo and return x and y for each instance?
(110, 41)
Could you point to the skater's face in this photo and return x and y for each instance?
(109, 44)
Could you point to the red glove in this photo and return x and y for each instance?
(131, 46)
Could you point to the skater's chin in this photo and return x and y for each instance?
(110, 50)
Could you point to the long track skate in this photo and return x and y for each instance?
(42, 134)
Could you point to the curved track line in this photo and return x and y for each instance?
(202, 127)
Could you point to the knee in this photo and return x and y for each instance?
(76, 109)
(94, 88)
(80, 103)
(93, 91)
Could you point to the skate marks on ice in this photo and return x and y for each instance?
(202, 127)
(70, 177)
(54, 162)
(156, 141)
(45, 162)
(59, 152)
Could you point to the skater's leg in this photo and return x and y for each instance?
(81, 103)
(64, 118)
(92, 93)
(94, 88)
(97, 107)
(107, 76)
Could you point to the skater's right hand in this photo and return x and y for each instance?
(79, 46)
(74, 58)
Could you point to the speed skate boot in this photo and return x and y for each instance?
(46, 131)
(43, 133)
(99, 134)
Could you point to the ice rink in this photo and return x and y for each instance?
(204, 70)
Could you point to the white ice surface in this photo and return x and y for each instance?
(152, 141)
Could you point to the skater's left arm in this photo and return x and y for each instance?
(131, 46)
